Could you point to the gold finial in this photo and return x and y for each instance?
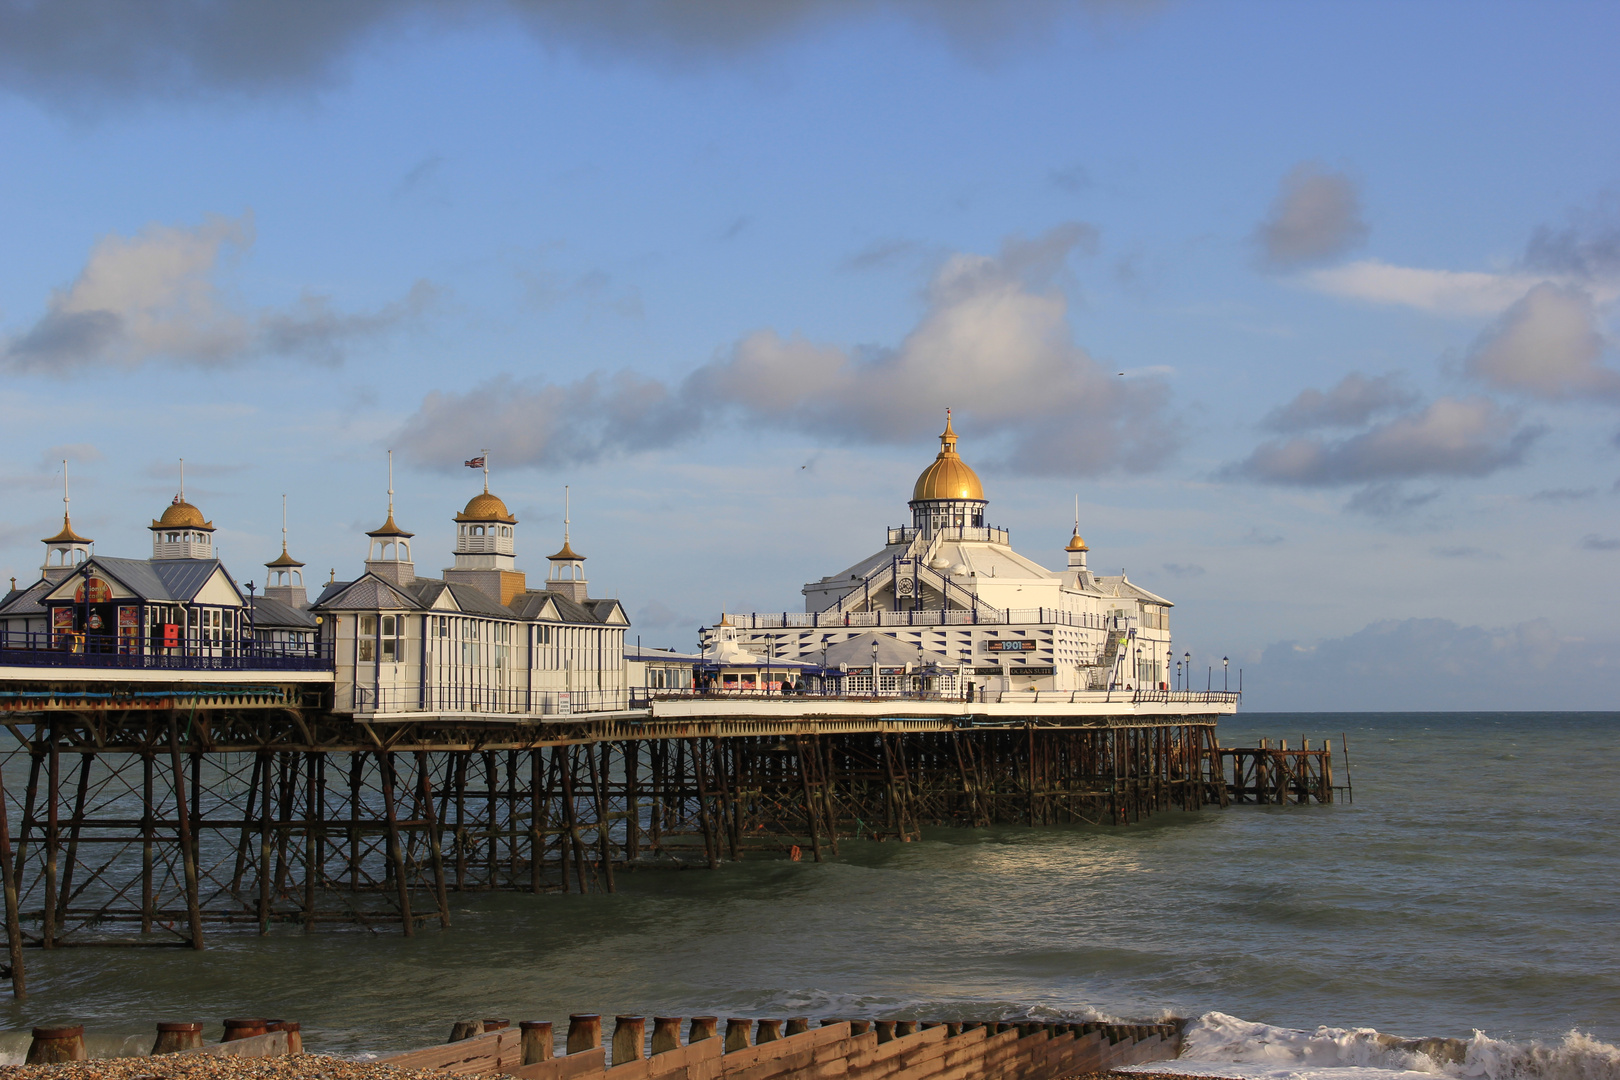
(332, 580)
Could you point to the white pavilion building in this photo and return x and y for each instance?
(952, 591)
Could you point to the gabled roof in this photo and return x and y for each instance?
(1120, 586)
(546, 606)
(647, 655)
(162, 580)
(330, 589)
(891, 652)
(608, 612)
(476, 602)
(366, 593)
(270, 613)
(26, 601)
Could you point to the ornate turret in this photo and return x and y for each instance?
(567, 574)
(948, 493)
(285, 582)
(390, 554)
(485, 545)
(182, 532)
(67, 549)
(1076, 549)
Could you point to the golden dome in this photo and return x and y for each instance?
(948, 477)
(182, 515)
(566, 553)
(486, 507)
(1077, 544)
(67, 535)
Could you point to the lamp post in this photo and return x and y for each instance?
(1226, 672)
(1168, 656)
(1178, 674)
(874, 668)
(247, 638)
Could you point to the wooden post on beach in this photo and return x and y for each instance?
(537, 1040)
(629, 1039)
(703, 1027)
(584, 1032)
(666, 1034)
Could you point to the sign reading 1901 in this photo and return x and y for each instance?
(1009, 646)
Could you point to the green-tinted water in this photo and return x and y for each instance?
(1473, 883)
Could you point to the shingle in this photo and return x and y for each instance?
(270, 612)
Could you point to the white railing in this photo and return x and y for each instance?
(905, 534)
(790, 620)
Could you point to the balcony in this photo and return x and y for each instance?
(106, 651)
(989, 534)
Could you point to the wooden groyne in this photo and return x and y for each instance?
(748, 1049)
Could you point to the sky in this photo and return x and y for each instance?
(1311, 306)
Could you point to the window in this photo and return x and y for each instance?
(469, 642)
(542, 635)
(393, 638)
(365, 650)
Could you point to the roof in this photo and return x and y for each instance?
(649, 655)
(891, 652)
(566, 553)
(332, 588)
(949, 476)
(546, 606)
(270, 613)
(283, 559)
(1119, 585)
(366, 593)
(26, 601)
(486, 507)
(182, 515)
(389, 528)
(177, 580)
(67, 535)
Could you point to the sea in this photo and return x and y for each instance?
(1468, 886)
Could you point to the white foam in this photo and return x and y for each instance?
(1220, 1045)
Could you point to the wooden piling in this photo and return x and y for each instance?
(629, 1039)
(244, 1028)
(739, 1034)
(666, 1034)
(703, 1027)
(537, 1041)
(173, 1037)
(584, 1032)
(52, 1045)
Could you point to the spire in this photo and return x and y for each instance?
(182, 479)
(390, 554)
(567, 574)
(67, 549)
(485, 455)
(947, 438)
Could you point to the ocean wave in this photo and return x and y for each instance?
(1220, 1045)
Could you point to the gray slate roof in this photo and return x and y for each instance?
(367, 594)
(26, 601)
(162, 580)
(272, 614)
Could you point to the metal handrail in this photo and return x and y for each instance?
(71, 649)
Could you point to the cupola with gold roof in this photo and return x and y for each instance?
(67, 549)
(389, 556)
(182, 532)
(567, 574)
(948, 494)
(285, 580)
(486, 544)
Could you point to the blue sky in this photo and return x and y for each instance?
(1312, 305)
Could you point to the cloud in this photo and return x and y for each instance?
(1184, 570)
(1257, 535)
(881, 254)
(1594, 542)
(1451, 437)
(1464, 552)
(1557, 495)
(1315, 217)
(84, 453)
(994, 341)
(1547, 345)
(108, 52)
(1588, 248)
(1073, 179)
(1352, 402)
(1435, 664)
(1445, 292)
(1388, 500)
(155, 297)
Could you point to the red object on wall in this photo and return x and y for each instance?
(171, 635)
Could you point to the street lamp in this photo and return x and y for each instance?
(1168, 656)
(874, 668)
(1226, 671)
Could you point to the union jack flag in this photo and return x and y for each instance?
(476, 463)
